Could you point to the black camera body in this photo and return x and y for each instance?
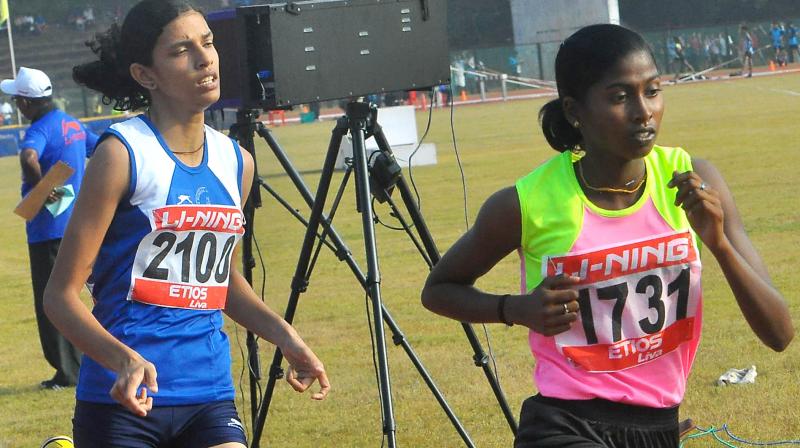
(281, 55)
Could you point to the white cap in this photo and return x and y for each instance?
(30, 83)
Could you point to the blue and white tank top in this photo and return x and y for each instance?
(161, 276)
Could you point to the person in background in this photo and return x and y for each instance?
(681, 60)
(777, 32)
(609, 233)
(52, 137)
(792, 41)
(6, 113)
(748, 50)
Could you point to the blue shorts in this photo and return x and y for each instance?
(203, 425)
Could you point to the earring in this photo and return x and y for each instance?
(577, 124)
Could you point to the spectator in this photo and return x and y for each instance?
(792, 48)
(88, 16)
(777, 32)
(52, 137)
(681, 59)
(39, 25)
(672, 54)
(6, 112)
(748, 50)
(459, 78)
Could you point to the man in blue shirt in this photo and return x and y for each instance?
(777, 32)
(52, 137)
(791, 33)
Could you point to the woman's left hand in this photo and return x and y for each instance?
(703, 207)
(305, 368)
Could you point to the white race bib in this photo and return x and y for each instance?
(638, 301)
(185, 261)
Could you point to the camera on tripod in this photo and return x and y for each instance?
(281, 55)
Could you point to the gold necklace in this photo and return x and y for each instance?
(609, 189)
(194, 150)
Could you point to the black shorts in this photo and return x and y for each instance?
(550, 423)
(111, 425)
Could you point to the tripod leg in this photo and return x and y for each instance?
(480, 357)
(344, 254)
(243, 132)
(300, 279)
(358, 114)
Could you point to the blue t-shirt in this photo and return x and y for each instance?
(748, 44)
(777, 36)
(792, 36)
(55, 137)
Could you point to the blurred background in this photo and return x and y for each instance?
(518, 38)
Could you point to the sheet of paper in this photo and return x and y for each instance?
(60, 206)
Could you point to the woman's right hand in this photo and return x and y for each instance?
(128, 390)
(549, 309)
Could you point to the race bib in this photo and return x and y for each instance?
(638, 301)
(185, 261)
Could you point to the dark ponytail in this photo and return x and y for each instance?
(583, 59)
(119, 47)
(109, 75)
(561, 135)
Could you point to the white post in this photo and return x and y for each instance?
(504, 86)
(13, 60)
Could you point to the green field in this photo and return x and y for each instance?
(747, 128)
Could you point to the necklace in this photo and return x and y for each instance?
(609, 189)
(194, 150)
(202, 144)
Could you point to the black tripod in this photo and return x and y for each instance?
(361, 121)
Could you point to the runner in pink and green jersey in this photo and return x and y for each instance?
(609, 234)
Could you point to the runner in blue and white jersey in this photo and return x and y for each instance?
(153, 232)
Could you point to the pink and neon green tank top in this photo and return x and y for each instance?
(640, 295)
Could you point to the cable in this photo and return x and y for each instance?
(458, 160)
(245, 357)
(376, 218)
(241, 379)
(419, 145)
(704, 432)
(714, 432)
(740, 440)
(375, 364)
(466, 225)
(491, 354)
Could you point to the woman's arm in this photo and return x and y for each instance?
(105, 182)
(450, 289)
(713, 215)
(245, 307)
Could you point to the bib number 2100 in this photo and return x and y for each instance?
(202, 258)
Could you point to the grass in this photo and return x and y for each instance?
(747, 128)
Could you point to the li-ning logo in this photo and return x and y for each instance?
(72, 132)
(194, 217)
(625, 259)
(236, 424)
